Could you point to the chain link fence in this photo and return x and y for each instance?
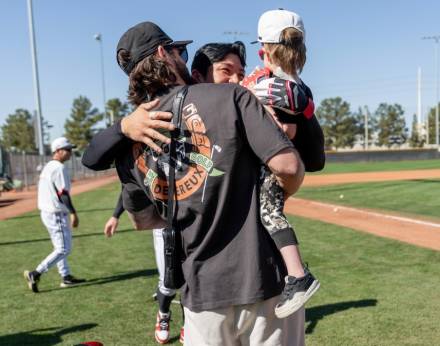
(25, 169)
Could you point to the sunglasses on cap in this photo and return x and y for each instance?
(183, 52)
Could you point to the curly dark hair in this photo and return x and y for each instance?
(148, 78)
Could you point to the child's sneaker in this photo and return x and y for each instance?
(296, 293)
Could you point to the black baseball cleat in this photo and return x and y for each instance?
(32, 279)
(70, 280)
(296, 293)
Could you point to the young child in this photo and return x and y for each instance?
(278, 85)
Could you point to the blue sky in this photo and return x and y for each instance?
(367, 52)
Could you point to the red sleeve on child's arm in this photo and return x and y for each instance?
(310, 109)
(256, 76)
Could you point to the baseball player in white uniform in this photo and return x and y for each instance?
(55, 205)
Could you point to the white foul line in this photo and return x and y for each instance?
(392, 217)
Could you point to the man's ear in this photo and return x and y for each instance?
(161, 52)
(197, 76)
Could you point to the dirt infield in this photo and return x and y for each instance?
(414, 231)
(16, 203)
(425, 233)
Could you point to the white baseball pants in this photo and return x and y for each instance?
(58, 226)
(160, 261)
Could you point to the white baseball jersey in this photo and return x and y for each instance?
(54, 178)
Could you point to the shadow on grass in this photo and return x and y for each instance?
(101, 234)
(26, 216)
(47, 336)
(109, 279)
(80, 211)
(435, 181)
(313, 315)
(34, 215)
(174, 339)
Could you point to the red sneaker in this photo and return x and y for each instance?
(182, 335)
(162, 331)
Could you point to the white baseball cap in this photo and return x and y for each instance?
(61, 143)
(272, 23)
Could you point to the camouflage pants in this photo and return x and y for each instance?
(272, 204)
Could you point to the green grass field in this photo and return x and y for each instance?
(377, 166)
(374, 291)
(409, 197)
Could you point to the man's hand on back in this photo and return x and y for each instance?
(144, 125)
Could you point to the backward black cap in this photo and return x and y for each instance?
(141, 41)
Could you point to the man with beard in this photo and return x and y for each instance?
(232, 270)
(212, 63)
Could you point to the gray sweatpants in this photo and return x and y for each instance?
(240, 325)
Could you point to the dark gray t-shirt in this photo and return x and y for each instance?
(230, 258)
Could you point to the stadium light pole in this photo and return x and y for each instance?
(36, 80)
(436, 39)
(366, 115)
(98, 38)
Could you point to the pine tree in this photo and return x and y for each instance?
(415, 141)
(117, 108)
(359, 117)
(18, 132)
(431, 125)
(46, 136)
(46, 126)
(79, 128)
(337, 122)
(391, 124)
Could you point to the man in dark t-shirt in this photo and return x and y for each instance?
(212, 63)
(232, 269)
